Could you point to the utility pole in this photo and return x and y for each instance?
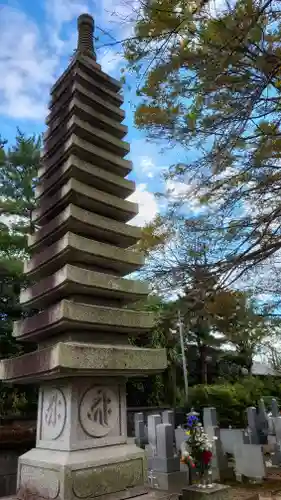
(180, 324)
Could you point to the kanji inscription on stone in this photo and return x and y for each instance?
(98, 411)
(53, 413)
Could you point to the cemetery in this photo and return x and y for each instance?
(86, 334)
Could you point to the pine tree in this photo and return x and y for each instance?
(210, 81)
(18, 169)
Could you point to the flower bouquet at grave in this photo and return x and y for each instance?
(197, 450)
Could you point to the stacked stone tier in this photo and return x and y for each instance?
(66, 317)
(88, 225)
(72, 281)
(84, 196)
(80, 249)
(65, 359)
(89, 174)
(85, 253)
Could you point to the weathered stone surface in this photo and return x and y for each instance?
(80, 75)
(106, 474)
(77, 220)
(87, 152)
(89, 174)
(68, 359)
(90, 67)
(89, 114)
(74, 249)
(72, 280)
(89, 98)
(172, 482)
(88, 132)
(86, 197)
(217, 492)
(57, 430)
(68, 315)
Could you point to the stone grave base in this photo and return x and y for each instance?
(150, 495)
(113, 472)
(172, 482)
(217, 492)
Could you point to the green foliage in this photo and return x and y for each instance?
(18, 170)
(18, 167)
(159, 389)
(210, 82)
(182, 256)
(231, 400)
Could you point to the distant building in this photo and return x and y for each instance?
(263, 369)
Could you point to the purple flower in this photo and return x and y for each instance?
(192, 420)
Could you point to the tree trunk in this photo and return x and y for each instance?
(247, 358)
(170, 385)
(203, 364)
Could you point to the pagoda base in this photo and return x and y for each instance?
(113, 472)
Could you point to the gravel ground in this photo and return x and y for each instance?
(270, 488)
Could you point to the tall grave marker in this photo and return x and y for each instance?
(79, 255)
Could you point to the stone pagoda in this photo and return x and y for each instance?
(80, 253)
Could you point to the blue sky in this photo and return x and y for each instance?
(37, 39)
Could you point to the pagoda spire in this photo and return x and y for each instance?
(86, 26)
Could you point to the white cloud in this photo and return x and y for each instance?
(27, 68)
(147, 166)
(147, 205)
(32, 55)
(63, 11)
(186, 193)
(109, 60)
(149, 159)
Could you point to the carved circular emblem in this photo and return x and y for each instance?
(98, 411)
(53, 413)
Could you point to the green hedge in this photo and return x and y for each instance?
(231, 400)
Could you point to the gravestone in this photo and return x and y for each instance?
(210, 418)
(230, 438)
(139, 416)
(249, 462)
(80, 253)
(140, 434)
(277, 427)
(262, 422)
(180, 437)
(220, 469)
(168, 417)
(276, 456)
(219, 459)
(274, 408)
(152, 422)
(164, 463)
(252, 425)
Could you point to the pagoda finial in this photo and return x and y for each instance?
(85, 25)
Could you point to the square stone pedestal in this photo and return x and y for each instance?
(82, 450)
(114, 472)
(216, 492)
(81, 413)
(172, 482)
